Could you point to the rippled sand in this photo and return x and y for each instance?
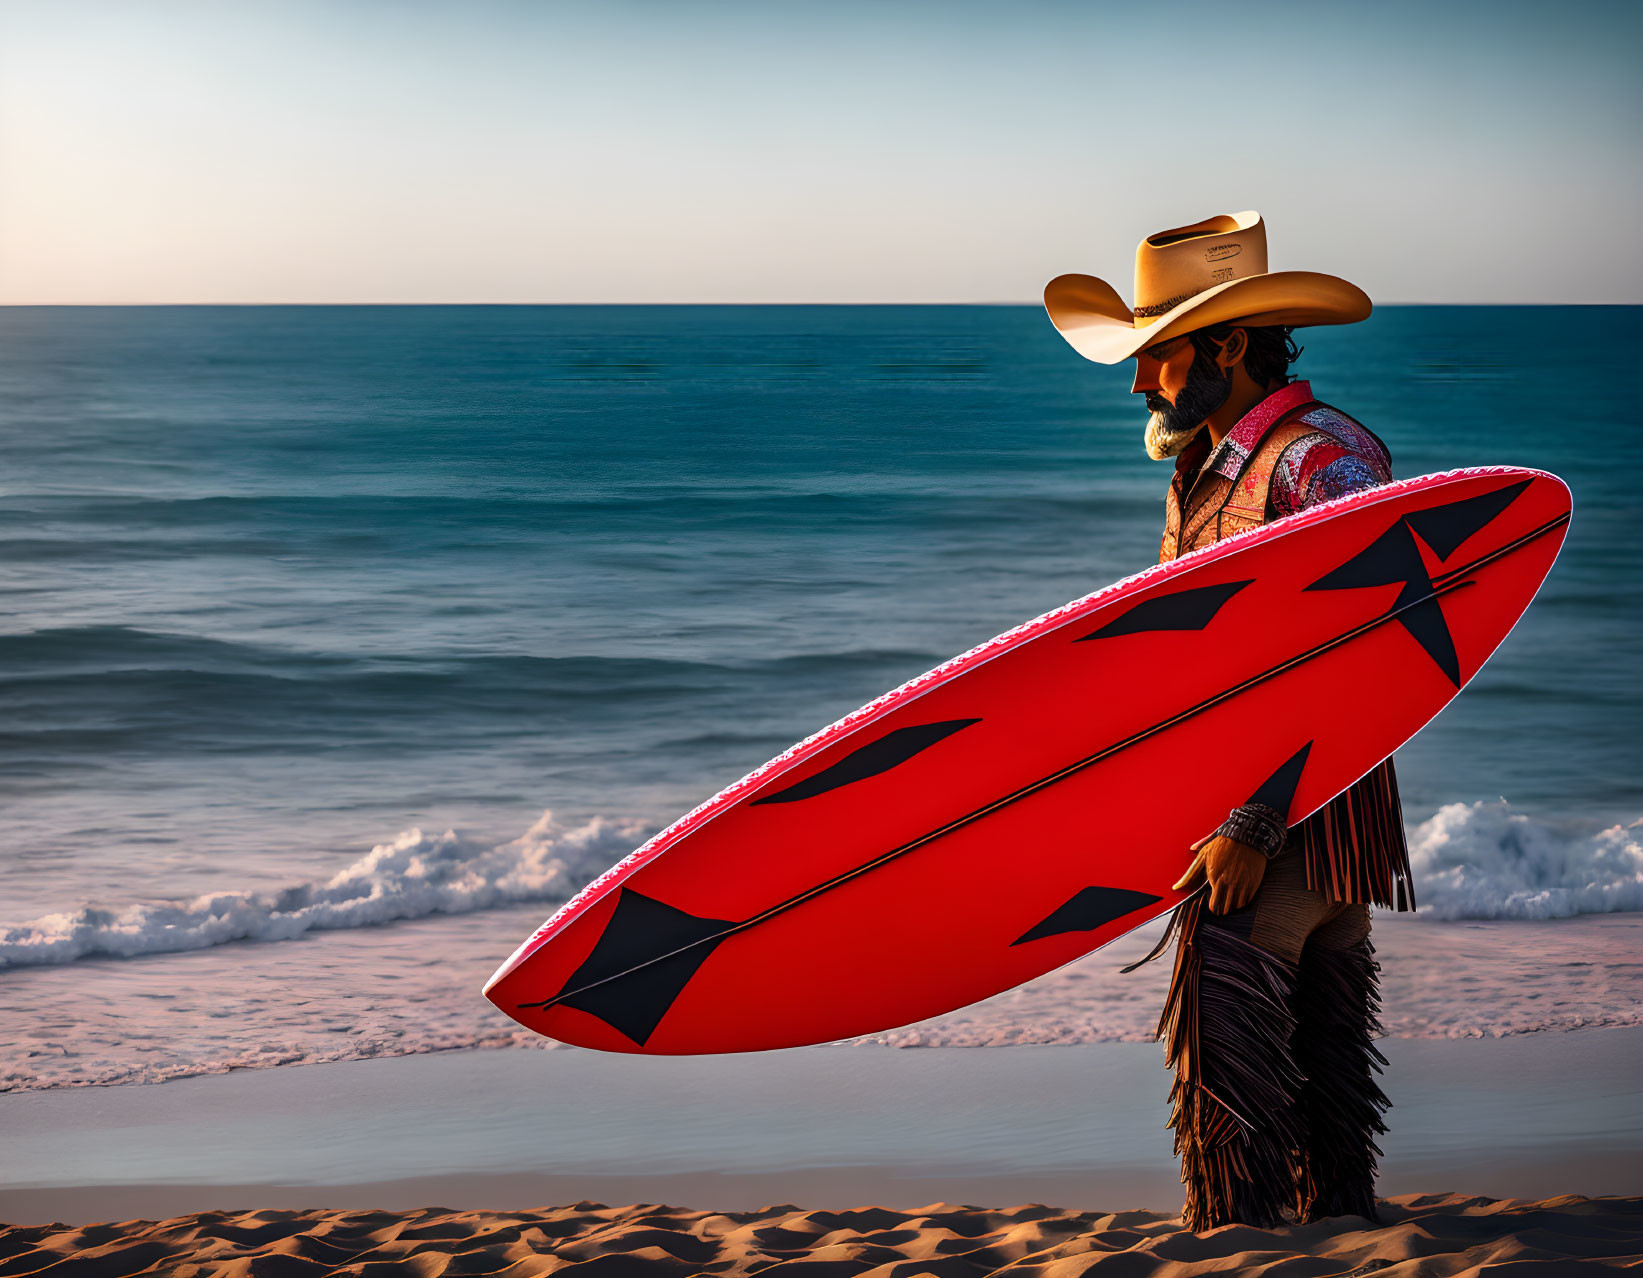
(1424, 1234)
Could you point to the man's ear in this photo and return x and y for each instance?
(1232, 350)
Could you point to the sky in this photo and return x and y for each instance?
(264, 151)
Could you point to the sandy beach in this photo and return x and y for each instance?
(1524, 1150)
(425, 1132)
(1516, 1136)
(1425, 1234)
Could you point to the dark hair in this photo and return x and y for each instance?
(1267, 358)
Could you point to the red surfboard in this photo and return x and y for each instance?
(1035, 798)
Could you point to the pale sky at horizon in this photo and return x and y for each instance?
(685, 151)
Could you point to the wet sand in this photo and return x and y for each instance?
(440, 1164)
(1526, 1117)
(230, 1008)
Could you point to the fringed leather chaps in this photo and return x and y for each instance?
(1338, 1012)
(1228, 1024)
(1275, 1105)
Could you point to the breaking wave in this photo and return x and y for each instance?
(1485, 861)
(1471, 861)
(413, 876)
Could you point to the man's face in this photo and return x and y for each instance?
(1182, 390)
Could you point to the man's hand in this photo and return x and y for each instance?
(1234, 871)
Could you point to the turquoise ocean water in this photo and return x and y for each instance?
(281, 583)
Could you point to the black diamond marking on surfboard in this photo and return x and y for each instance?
(639, 940)
(889, 751)
(1278, 790)
(1184, 610)
(1086, 910)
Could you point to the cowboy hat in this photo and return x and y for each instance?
(1189, 278)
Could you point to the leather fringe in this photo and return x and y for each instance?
(1338, 1011)
(1174, 925)
(1227, 1027)
(1355, 847)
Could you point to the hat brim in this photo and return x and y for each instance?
(1092, 317)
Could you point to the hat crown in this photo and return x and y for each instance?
(1175, 265)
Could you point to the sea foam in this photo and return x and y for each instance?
(1471, 861)
(1485, 861)
(411, 877)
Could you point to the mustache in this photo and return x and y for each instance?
(1205, 390)
(1173, 426)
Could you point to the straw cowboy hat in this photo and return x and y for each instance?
(1189, 278)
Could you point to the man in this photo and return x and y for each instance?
(1273, 1003)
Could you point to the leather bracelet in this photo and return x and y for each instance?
(1257, 826)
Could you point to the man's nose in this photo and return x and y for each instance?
(1146, 378)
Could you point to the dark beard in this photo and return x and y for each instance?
(1172, 426)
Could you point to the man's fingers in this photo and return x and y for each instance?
(1243, 895)
(1194, 871)
(1228, 896)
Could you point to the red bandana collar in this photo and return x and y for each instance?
(1255, 423)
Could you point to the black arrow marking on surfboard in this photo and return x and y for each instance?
(1086, 910)
(890, 751)
(1184, 610)
(1394, 557)
(1278, 790)
(654, 948)
(1455, 580)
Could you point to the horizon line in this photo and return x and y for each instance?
(64, 306)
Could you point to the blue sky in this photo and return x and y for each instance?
(669, 150)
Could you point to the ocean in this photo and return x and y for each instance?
(337, 641)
